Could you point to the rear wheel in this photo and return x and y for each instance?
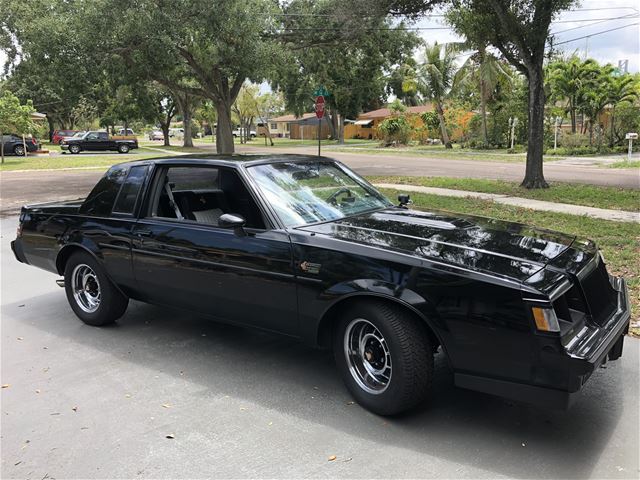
(384, 355)
(74, 148)
(123, 148)
(92, 296)
(19, 150)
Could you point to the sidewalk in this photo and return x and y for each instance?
(605, 214)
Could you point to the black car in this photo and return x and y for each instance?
(304, 247)
(97, 141)
(13, 145)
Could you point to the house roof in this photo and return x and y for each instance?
(385, 112)
(292, 118)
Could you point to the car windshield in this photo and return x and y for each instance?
(79, 134)
(308, 192)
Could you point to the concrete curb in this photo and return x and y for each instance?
(581, 210)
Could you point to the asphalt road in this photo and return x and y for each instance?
(85, 402)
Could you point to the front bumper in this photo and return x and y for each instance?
(591, 348)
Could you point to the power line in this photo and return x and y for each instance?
(594, 34)
(631, 15)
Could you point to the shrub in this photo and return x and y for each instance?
(573, 140)
(395, 130)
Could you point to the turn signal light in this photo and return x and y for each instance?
(546, 319)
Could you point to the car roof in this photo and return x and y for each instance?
(227, 160)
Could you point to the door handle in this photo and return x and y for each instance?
(143, 233)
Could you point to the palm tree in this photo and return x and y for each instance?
(484, 70)
(435, 79)
(621, 89)
(570, 80)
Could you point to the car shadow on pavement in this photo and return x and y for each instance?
(279, 373)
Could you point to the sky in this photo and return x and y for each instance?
(587, 19)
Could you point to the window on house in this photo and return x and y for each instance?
(274, 126)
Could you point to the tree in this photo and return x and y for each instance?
(165, 110)
(570, 80)
(401, 83)
(435, 80)
(245, 108)
(14, 118)
(519, 29)
(215, 48)
(267, 106)
(483, 70)
(622, 89)
(350, 56)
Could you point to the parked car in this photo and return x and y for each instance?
(237, 133)
(13, 145)
(98, 141)
(305, 247)
(176, 132)
(156, 135)
(60, 134)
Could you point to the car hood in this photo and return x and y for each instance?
(487, 245)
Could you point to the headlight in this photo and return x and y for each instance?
(546, 319)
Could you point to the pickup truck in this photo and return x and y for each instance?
(97, 142)
(304, 247)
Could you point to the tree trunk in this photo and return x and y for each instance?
(612, 120)
(483, 112)
(51, 127)
(534, 177)
(187, 141)
(340, 130)
(572, 114)
(24, 145)
(165, 134)
(443, 126)
(332, 121)
(2, 146)
(224, 132)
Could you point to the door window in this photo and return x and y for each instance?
(202, 195)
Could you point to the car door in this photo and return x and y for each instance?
(91, 142)
(245, 278)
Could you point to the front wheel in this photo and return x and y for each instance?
(384, 356)
(91, 295)
(123, 148)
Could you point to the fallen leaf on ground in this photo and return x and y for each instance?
(20, 338)
(128, 395)
(75, 409)
(332, 458)
(347, 459)
(270, 423)
(6, 385)
(166, 405)
(37, 391)
(350, 403)
(171, 435)
(21, 305)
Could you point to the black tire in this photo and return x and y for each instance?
(112, 304)
(123, 148)
(75, 149)
(409, 349)
(19, 150)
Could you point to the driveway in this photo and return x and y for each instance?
(85, 402)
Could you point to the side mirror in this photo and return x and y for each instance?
(404, 200)
(233, 221)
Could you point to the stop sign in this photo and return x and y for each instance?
(319, 106)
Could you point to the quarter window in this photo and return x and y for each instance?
(126, 202)
(101, 199)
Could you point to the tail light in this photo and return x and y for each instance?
(34, 141)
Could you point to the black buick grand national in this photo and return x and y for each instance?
(304, 247)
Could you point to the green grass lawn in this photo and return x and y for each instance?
(625, 164)
(438, 151)
(72, 161)
(576, 194)
(619, 241)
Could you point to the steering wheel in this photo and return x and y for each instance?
(333, 198)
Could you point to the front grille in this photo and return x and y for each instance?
(600, 296)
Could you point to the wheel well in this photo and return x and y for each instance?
(64, 255)
(331, 316)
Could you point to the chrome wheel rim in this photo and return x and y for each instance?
(86, 288)
(19, 151)
(368, 356)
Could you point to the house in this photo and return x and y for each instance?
(300, 128)
(366, 124)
